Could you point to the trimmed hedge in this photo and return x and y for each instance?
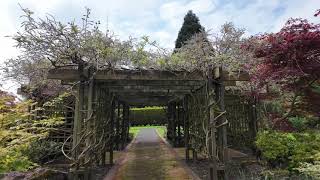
(147, 116)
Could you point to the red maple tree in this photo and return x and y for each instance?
(289, 58)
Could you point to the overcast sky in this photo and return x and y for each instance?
(159, 19)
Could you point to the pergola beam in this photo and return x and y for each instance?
(163, 92)
(147, 101)
(156, 83)
(120, 74)
(151, 88)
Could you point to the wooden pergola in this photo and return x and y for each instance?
(103, 99)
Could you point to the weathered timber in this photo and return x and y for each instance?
(179, 118)
(186, 126)
(111, 144)
(78, 120)
(219, 73)
(89, 118)
(151, 88)
(155, 91)
(212, 144)
(222, 134)
(221, 122)
(148, 82)
(117, 74)
(145, 94)
(118, 119)
(148, 101)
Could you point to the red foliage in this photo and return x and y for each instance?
(311, 101)
(290, 57)
(281, 124)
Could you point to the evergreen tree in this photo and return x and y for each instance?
(190, 27)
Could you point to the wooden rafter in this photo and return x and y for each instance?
(106, 75)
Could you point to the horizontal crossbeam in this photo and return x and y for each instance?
(120, 74)
(145, 101)
(151, 88)
(156, 83)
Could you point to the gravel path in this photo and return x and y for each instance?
(148, 158)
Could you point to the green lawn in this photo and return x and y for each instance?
(136, 129)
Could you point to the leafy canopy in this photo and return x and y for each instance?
(290, 57)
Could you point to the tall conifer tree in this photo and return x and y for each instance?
(190, 27)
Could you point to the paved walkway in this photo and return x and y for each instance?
(149, 158)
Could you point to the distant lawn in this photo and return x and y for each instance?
(136, 129)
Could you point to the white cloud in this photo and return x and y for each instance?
(260, 15)
(174, 11)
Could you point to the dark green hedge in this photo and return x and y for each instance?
(147, 116)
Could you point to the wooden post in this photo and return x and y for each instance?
(111, 145)
(179, 123)
(193, 120)
(222, 131)
(253, 128)
(103, 110)
(123, 126)
(186, 126)
(174, 122)
(89, 115)
(118, 126)
(78, 119)
(128, 122)
(213, 169)
(170, 122)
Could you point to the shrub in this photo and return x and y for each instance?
(24, 141)
(275, 146)
(290, 149)
(313, 122)
(299, 123)
(310, 169)
(42, 150)
(14, 160)
(305, 149)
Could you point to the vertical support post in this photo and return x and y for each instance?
(123, 126)
(89, 117)
(103, 111)
(186, 126)
(128, 122)
(169, 117)
(78, 118)
(118, 126)
(179, 115)
(194, 119)
(174, 123)
(253, 127)
(213, 169)
(222, 131)
(111, 145)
